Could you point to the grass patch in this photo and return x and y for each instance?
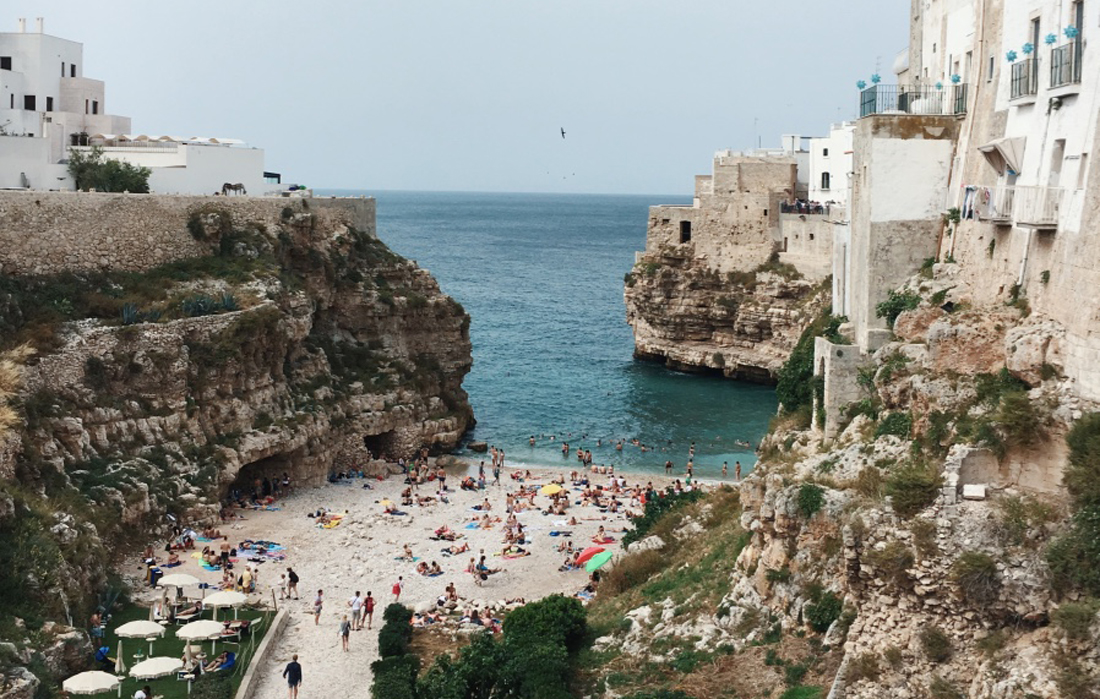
(976, 576)
(935, 644)
(913, 487)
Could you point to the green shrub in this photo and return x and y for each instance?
(893, 656)
(1082, 475)
(396, 633)
(811, 498)
(779, 576)
(212, 685)
(1074, 557)
(993, 643)
(554, 619)
(632, 570)
(892, 561)
(864, 667)
(942, 689)
(869, 483)
(794, 386)
(936, 645)
(803, 692)
(924, 537)
(897, 424)
(1076, 618)
(658, 507)
(895, 304)
(822, 613)
(793, 673)
(913, 487)
(395, 677)
(976, 575)
(1016, 515)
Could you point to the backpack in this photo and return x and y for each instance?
(369, 604)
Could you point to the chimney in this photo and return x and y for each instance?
(39, 24)
(22, 25)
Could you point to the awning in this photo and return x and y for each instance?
(1005, 153)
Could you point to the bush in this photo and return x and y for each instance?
(936, 645)
(942, 689)
(895, 304)
(1074, 557)
(864, 667)
(924, 537)
(803, 692)
(993, 643)
(897, 424)
(822, 613)
(913, 487)
(1082, 475)
(395, 677)
(779, 576)
(632, 570)
(976, 575)
(1076, 618)
(91, 170)
(794, 385)
(396, 633)
(811, 497)
(892, 561)
(555, 619)
(656, 508)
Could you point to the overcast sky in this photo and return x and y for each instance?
(470, 94)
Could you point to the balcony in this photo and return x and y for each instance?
(1027, 207)
(1065, 65)
(1025, 79)
(947, 100)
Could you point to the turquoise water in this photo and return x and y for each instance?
(541, 276)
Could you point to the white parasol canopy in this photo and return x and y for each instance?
(225, 598)
(201, 630)
(179, 580)
(156, 667)
(142, 628)
(91, 682)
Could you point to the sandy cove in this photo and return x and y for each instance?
(361, 554)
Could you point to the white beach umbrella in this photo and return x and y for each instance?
(179, 580)
(225, 598)
(156, 667)
(91, 682)
(141, 628)
(120, 664)
(202, 630)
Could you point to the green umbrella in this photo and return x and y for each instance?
(598, 560)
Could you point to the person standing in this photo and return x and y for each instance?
(292, 583)
(725, 468)
(368, 611)
(397, 588)
(293, 675)
(318, 602)
(356, 604)
(737, 471)
(345, 631)
(496, 473)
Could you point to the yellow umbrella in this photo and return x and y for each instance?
(550, 489)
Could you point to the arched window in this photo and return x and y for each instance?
(824, 180)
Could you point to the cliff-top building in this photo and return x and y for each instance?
(47, 106)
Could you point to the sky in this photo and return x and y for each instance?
(471, 95)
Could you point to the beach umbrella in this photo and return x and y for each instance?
(598, 560)
(141, 628)
(91, 682)
(179, 580)
(550, 489)
(225, 598)
(201, 630)
(156, 667)
(589, 553)
(120, 664)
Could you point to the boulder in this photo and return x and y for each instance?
(479, 447)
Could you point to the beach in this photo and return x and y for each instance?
(363, 552)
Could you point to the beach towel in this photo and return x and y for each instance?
(472, 525)
(395, 512)
(414, 559)
(435, 575)
(171, 565)
(517, 555)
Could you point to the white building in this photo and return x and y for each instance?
(47, 106)
(831, 165)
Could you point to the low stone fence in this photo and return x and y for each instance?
(250, 680)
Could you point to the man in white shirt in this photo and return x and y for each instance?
(356, 604)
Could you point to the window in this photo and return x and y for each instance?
(824, 152)
(95, 107)
(62, 68)
(72, 70)
(685, 232)
(933, 48)
(825, 180)
(49, 104)
(989, 73)
(87, 108)
(5, 62)
(30, 103)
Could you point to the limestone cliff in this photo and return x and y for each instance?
(295, 344)
(743, 324)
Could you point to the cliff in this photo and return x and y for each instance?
(743, 324)
(294, 343)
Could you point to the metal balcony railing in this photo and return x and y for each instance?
(1025, 78)
(1065, 65)
(1037, 207)
(913, 99)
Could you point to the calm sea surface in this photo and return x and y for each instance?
(541, 276)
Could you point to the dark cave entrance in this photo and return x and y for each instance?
(263, 477)
(382, 445)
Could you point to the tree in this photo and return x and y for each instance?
(92, 170)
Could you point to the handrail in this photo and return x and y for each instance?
(916, 99)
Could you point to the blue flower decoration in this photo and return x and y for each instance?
(861, 84)
(939, 86)
(876, 78)
(1028, 48)
(956, 79)
(1071, 32)
(1011, 56)
(1050, 39)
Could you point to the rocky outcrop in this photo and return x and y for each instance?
(743, 325)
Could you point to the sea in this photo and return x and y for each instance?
(541, 276)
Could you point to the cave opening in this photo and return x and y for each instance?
(261, 479)
(382, 446)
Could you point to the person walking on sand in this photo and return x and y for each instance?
(318, 602)
(345, 631)
(292, 583)
(496, 473)
(293, 676)
(356, 604)
(368, 611)
(397, 588)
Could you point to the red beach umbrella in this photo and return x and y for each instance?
(589, 553)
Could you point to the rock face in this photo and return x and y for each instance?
(298, 345)
(743, 325)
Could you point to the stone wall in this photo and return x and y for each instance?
(839, 366)
(808, 243)
(52, 232)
